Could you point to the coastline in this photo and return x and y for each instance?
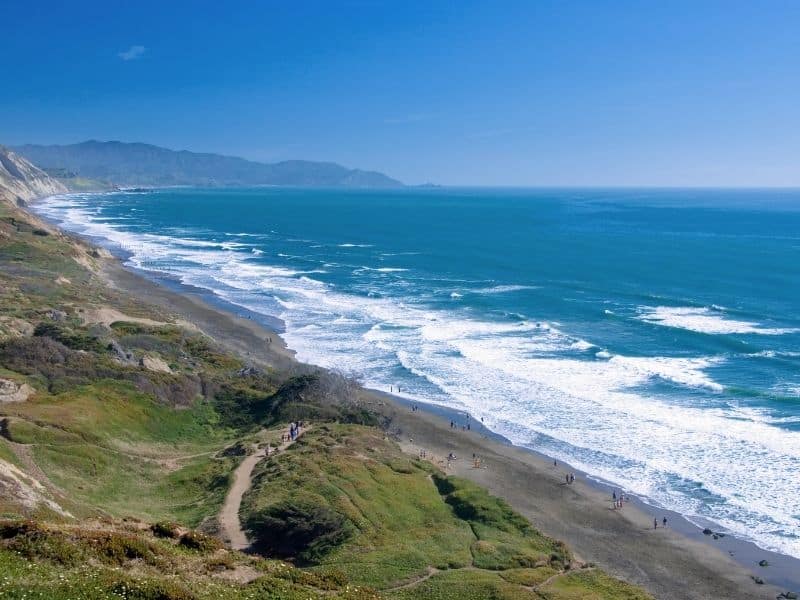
(680, 563)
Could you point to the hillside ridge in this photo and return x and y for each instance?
(135, 163)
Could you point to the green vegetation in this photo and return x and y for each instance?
(591, 585)
(303, 531)
(398, 525)
(123, 561)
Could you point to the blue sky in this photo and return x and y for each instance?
(479, 93)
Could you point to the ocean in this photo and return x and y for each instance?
(650, 338)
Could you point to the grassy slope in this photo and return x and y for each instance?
(111, 440)
(102, 560)
(99, 444)
(415, 532)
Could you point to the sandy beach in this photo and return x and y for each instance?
(676, 562)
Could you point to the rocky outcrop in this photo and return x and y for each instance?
(153, 363)
(14, 327)
(21, 181)
(11, 391)
(23, 489)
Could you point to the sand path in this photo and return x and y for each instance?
(229, 521)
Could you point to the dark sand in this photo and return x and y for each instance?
(673, 563)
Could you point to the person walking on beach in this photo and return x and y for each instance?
(664, 522)
(655, 523)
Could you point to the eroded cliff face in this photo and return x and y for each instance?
(21, 181)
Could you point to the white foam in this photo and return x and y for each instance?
(503, 289)
(705, 320)
(775, 354)
(382, 269)
(581, 345)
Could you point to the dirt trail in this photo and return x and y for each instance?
(229, 521)
(415, 581)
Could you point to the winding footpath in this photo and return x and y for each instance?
(229, 521)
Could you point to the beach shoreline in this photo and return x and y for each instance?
(680, 563)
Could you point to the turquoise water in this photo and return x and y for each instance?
(651, 338)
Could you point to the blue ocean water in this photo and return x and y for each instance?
(649, 337)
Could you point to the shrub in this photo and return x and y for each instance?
(137, 589)
(128, 328)
(443, 484)
(299, 530)
(164, 529)
(402, 466)
(194, 540)
(77, 340)
(41, 544)
(13, 528)
(115, 548)
(220, 563)
(316, 396)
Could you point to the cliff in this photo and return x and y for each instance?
(21, 181)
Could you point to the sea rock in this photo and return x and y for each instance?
(707, 531)
(763, 563)
(11, 391)
(152, 363)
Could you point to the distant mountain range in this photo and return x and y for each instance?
(125, 164)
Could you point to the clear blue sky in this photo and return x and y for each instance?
(488, 93)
